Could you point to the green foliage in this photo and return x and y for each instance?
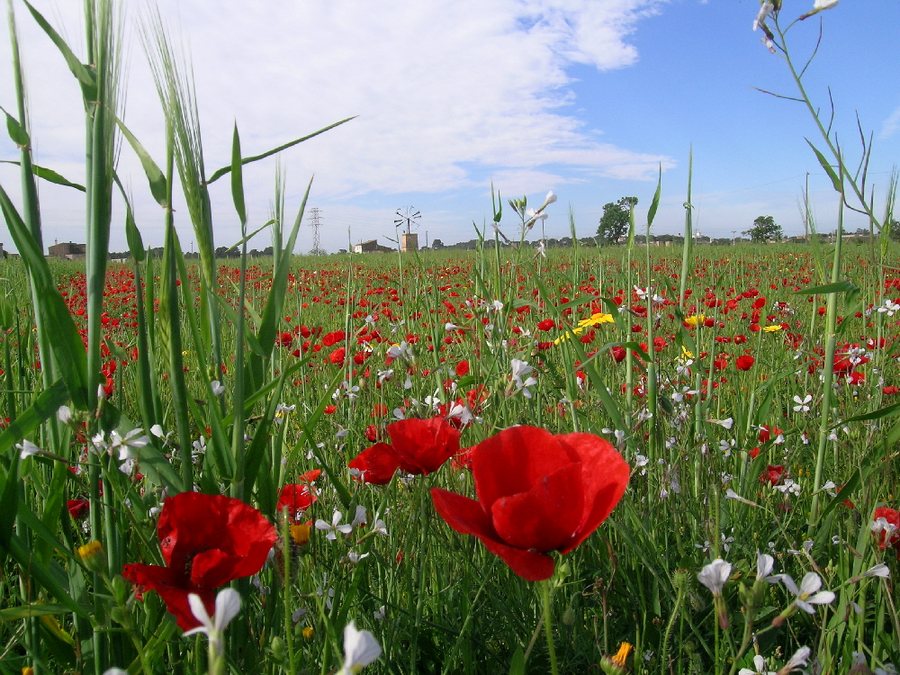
(614, 221)
(895, 230)
(765, 229)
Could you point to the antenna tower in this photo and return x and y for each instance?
(315, 222)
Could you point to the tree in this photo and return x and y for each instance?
(614, 221)
(894, 230)
(765, 229)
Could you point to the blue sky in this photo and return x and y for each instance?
(588, 99)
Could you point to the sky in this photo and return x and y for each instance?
(590, 99)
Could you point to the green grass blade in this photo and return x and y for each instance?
(86, 76)
(247, 160)
(237, 177)
(829, 170)
(155, 176)
(275, 301)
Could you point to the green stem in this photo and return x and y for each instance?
(827, 374)
(548, 625)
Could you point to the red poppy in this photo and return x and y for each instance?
(298, 497)
(206, 541)
(745, 362)
(766, 433)
(417, 446)
(772, 475)
(78, 508)
(537, 492)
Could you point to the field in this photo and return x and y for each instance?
(512, 460)
(723, 461)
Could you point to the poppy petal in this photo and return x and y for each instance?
(532, 451)
(423, 445)
(604, 477)
(545, 517)
(377, 464)
(467, 517)
(173, 588)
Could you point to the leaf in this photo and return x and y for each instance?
(275, 301)
(29, 420)
(67, 345)
(517, 664)
(247, 160)
(155, 176)
(16, 131)
(237, 178)
(30, 611)
(835, 181)
(133, 236)
(844, 286)
(51, 176)
(887, 411)
(85, 76)
(654, 205)
(48, 175)
(50, 576)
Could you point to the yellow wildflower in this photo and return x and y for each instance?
(774, 328)
(91, 554)
(90, 550)
(695, 320)
(300, 533)
(616, 665)
(596, 319)
(308, 632)
(622, 655)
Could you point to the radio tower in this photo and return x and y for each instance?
(315, 222)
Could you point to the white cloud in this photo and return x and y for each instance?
(891, 125)
(446, 92)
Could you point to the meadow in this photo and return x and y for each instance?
(517, 459)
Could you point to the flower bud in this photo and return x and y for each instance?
(91, 554)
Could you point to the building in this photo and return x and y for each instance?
(67, 250)
(409, 242)
(370, 246)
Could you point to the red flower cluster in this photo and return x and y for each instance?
(417, 446)
(537, 493)
(206, 541)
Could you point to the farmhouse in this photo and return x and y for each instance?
(67, 250)
(370, 246)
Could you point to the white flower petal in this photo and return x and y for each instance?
(228, 605)
(198, 609)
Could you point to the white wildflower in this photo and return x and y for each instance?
(335, 526)
(228, 604)
(360, 649)
(714, 575)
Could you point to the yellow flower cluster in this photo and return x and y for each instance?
(595, 319)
